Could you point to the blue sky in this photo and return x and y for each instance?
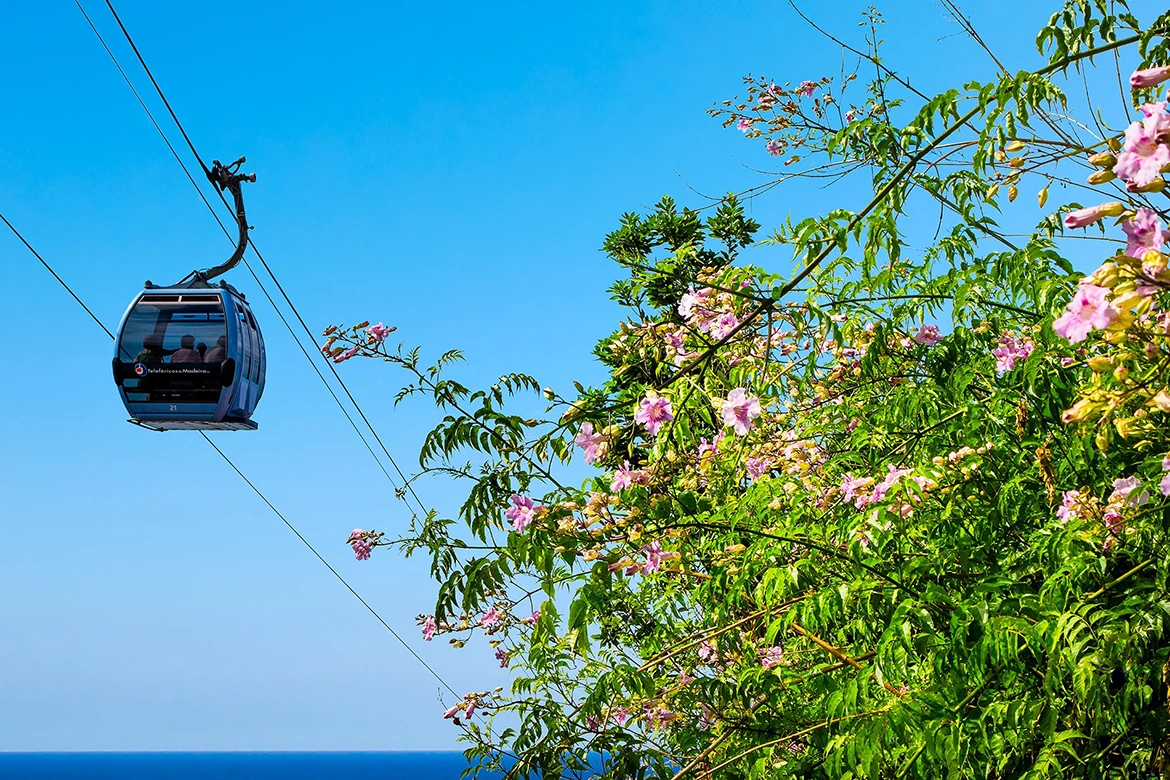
(451, 171)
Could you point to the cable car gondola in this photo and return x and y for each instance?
(190, 356)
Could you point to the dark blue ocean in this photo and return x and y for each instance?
(231, 766)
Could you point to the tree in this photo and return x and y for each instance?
(883, 516)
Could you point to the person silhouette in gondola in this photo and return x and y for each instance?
(218, 353)
(152, 349)
(186, 352)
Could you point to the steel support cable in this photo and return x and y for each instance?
(242, 476)
(49, 268)
(247, 265)
(406, 481)
(130, 40)
(150, 116)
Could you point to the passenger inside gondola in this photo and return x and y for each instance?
(186, 352)
(218, 353)
(152, 349)
(201, 348)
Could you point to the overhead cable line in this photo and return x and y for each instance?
(48, 267)
(407, 486)
(227, 233)
(242, 476)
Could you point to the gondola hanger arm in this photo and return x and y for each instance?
(227, 177)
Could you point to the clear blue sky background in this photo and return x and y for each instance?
(450, 170)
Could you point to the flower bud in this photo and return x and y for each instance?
(1113, 144)
(1103, 438)
(1014, 146)
(1042, 197)
(1099, 364)
(1103, 160)
(1100, 177)
(1161, 401)
(1013, 191)
(1149, 77)
(1128, 301)
(1157, 185)
(994, 188)
(1087, 216)
(1121, 373)
(549, 394)
(1082, 410)
(1016, 162)
(1105, 275)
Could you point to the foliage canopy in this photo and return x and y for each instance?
(887, 515)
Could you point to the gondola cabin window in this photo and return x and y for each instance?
(188, 332)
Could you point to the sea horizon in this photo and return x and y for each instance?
(232, 764)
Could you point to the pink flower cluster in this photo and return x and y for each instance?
(502, 657)
(676, 344)
(1143, 233)
(1088, 310)
(1127, 494)
(1073, 505)
(624, 477)
(1010, 350)
(593, 443)
(739, 410)
(710, 312)
(1145, 152)
(429, 628)
(653, 411)
(657, 717)
(709, 449)
(378, 332)
(490, 618)
(467, 705)
(768, 97)
(856, 489)
(771, 657)
(758, 466)
(655, 555)
(521, 513)
(928, 335)
(359, 541)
